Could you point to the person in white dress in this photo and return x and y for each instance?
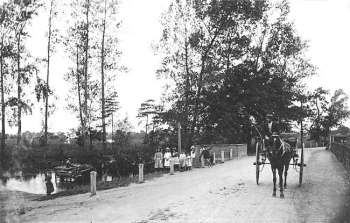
(158, 159)
(175, 157)
(182, 159)
(188, 161)
(167, 156)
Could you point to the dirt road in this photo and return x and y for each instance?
(224, 193)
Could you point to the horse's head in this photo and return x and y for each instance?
(274, 145)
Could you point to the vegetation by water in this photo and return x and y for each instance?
(117, 162)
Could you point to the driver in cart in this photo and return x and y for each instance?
(271, 131)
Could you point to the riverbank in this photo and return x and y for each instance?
(13, 204)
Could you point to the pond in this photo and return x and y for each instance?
(35, 184)
(29, 184)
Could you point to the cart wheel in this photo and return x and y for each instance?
(257, 163)
(301, 165)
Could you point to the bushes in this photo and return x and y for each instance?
(35, 159)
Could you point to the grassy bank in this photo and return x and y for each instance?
(31, 160)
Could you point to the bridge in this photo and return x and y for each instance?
(225, 193)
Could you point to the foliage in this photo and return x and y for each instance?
(149, 109)
(338, 110)
(229, 60)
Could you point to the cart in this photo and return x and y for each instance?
(297, 160)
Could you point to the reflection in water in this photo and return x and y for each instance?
(34, 185)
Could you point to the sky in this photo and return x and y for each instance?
(324, 23)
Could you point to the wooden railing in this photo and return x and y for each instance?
(342, 152)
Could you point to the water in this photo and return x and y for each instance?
(36, 184)
(33, 185)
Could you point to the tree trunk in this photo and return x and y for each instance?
(112, 132)
(19, 89)
(86, 118)
(103, 78)
(3, 133)
(187, 92)
(146, 136)
(79, 99)
(200, 79)
(48, 75)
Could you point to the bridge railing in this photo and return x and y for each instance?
(342, 152)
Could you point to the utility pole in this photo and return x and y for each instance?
(179, 136)
(112, 143)
(302, 145)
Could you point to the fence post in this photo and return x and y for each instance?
(231, 154)
(214, 159)
(171, 166)
(93, 182)
(223, 156)
(140, 172)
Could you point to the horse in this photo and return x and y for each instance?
(279, 154)
(207, 157)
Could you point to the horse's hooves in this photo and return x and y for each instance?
(282, 195)
(274, 194)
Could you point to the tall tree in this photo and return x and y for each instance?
(75, 75)
(318, 104)
(337, 111)
(6, 52)
(246, 59)
(95, 51)
(109, 55)
(103, 76)
(147, 109)
(179, 59)
(213, 21)
(86, 63)
(50, 38)
(25, 10)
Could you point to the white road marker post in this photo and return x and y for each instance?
(214, 159)
(171, 166)
(93, 182)
(231, 154)
(141, 173)
(223, 156)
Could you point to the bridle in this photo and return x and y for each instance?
(275, 150)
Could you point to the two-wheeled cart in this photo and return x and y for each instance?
(297, 157)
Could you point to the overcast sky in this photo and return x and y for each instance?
(325, 23)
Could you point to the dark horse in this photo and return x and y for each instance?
(279, 154)
(207, 157)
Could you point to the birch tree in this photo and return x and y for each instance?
(25, 10)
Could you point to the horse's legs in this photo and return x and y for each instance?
(274, 181)
(285, 175)
(280, 174)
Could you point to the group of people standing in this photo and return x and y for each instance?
(182, 161)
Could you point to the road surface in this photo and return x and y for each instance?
(225, 193)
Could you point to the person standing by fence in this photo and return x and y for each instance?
(182, 159)
(167, 156)
(158, 160)
(175, 157)
(188, 161)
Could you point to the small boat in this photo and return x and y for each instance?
(72, 172)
